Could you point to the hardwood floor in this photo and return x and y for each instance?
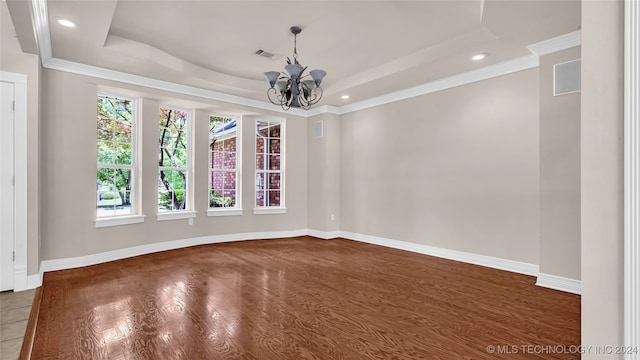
(299, 298)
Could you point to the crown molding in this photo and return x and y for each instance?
(40, 18)
(556, 44)
(107, 74)
(41, 27)
(40, 21)
(324, 109)
(491, 71)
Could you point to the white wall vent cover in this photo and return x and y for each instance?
(318, 129)
(566, 77)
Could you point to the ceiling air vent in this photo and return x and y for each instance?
(267, 54)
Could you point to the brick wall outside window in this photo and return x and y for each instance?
(224, 157)
(268, 183)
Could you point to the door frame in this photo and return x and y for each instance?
(631, 178)
(20, 166)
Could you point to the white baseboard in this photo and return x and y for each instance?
(74, 262)
(20, 278)
(545, 280)
(483, 260)
(559, 283)
(323, 234)
(34, 281)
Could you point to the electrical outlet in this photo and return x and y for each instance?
(190, 221)
(333, 217)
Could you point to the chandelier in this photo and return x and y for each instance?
(291, 91)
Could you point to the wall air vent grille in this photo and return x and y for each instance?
(566, 77)
(318, 129)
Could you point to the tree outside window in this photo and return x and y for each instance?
(173, 160)
(115, 156)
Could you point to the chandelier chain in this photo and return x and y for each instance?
(295, 47)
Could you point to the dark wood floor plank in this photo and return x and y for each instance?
(299, 298)
(30, 332)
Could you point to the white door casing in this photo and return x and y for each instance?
(6, 185)
(18, 107)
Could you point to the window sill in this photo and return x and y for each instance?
(224, 212)
(176, 215)
(269, 210)
(119, 220)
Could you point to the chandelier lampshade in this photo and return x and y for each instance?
(288, 89)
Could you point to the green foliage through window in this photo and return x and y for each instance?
(115, 124)
(173, 159)
(217, 200)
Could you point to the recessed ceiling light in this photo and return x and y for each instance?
(344, 97)
(479, 56)
(67, 23)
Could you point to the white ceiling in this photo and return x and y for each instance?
(368, 48)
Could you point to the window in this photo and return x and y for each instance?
(116, 157)
(224, 173)
(174, 161)
(269, 166)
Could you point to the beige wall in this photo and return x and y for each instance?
(69, 170)
(602, 174)
(324, 174)
(12, 59)
(457, 169)
(559, 173)
(470, 165)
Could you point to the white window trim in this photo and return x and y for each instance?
(225, 212)
(136, 191)
(237, 209)
(189, 185)
(261, 210)
(118, 220)
(176, 215)
(269, 210)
